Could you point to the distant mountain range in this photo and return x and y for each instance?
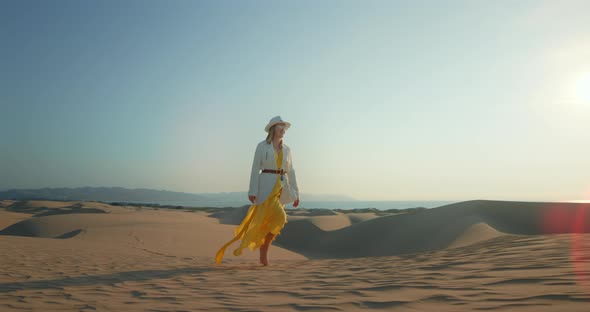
(141, 195)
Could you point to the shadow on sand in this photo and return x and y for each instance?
(106, 279)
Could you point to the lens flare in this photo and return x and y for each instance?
(580, 248)
(558, 219)
(572, 218)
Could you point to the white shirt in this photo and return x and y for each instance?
(262, 183)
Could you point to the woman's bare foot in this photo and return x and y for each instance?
(264, 248)
(264, 261)
(264, 254)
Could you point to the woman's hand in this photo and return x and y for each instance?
(252, 198)
(296, 203)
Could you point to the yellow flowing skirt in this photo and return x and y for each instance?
(261, 219)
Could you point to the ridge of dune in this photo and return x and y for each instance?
(326, 222)
(47, 227)
(5, 202)
(331, 223)
(231, 216)
(8, 218)
(324, 219)
(357, 217)
(475, 233)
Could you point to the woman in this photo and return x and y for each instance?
(269, 192)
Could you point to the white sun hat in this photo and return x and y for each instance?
(275, 120)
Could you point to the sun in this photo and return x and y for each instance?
(583, 88)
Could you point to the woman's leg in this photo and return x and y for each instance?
(264, 248)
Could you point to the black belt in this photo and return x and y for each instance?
(281, 171)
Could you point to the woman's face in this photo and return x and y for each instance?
(279, 130)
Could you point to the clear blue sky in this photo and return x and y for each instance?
(388, 100)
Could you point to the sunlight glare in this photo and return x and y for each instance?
(583, 88)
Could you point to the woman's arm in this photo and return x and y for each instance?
(254, 174)
(292, 176)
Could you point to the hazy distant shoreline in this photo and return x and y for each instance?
(328, 205)
(220, 200)
(346, 205)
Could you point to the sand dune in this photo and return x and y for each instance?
(435, 229)
(324, 219)
(360, 217)
(475, 255)
(231, 216)
(176, 233)
(475, 233)
(325, 223)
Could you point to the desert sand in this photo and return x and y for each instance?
(473, 255)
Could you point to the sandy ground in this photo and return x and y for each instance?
(476, 255)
